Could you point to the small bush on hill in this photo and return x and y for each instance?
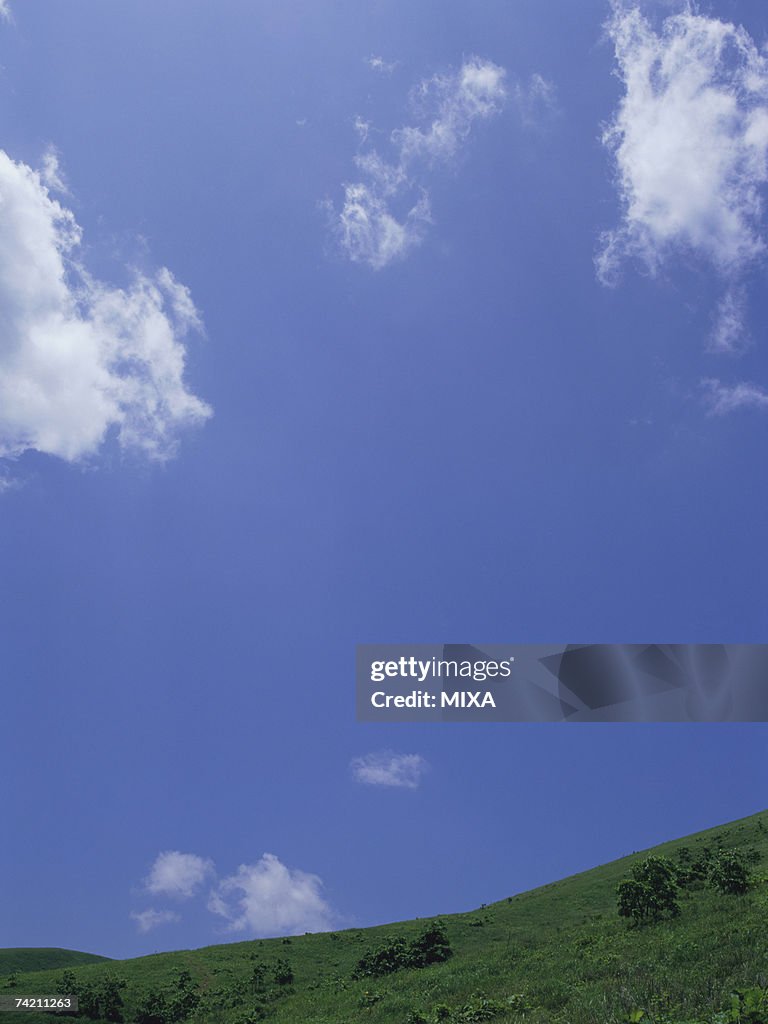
(152, 1009)
(729, 873)
(283, 973)
(726, 870)
(98, 1000)
(431, 947)
(651, 893)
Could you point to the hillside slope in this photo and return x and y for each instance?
(39, 959)
(556, 955)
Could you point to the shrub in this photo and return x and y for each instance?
(729, 873)
(393, 956)
(283, 973)
(414, 1017)
(152, 1009)
(258, 978)
(431, 947)
(98, 1000)
(651, 892)
(368, 999)
(749, 1006)
(480, 1009)
(184, 1001)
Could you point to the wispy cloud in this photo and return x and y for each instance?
(386, 213)
(5, 9)
(268, 898)
(178, 874)
(79, 358)
(389, 769)
(722, 399)
(384, 67)
(51, 174)
(536, 100)
(729, 333)
(147, 920)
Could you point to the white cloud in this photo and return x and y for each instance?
(178, 874)
(722, 399)
(5, 9)
(389, 769)
(386, 214)
(50, 172)
(477, 91)
(267, 898)
(371, 234)
(80, 359)
(383, 66)
(146, 920)
(690, 140)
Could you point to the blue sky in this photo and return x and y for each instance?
(460, 338)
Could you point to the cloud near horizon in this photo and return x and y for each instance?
(386, 213)
(262, 899)
(148, 920)
(386, 768)
(268, 898)
(80, 359)
(177, 874)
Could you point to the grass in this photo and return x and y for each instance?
(42, 959)
(556, 955)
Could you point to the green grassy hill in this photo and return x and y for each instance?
(558, 954)
(34, 959)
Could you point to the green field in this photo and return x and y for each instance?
(43, 959)
(560, 953)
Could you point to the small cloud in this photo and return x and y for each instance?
(722, 399)
(147, 920)
(268, 898)
(362, 127)
(370, 233)
(178, 874)
(385, 215)
(476, 92)
(389, 769)
(382, 66)
(5, 10)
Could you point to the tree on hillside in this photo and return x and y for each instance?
(729, 873)
(651, 892)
